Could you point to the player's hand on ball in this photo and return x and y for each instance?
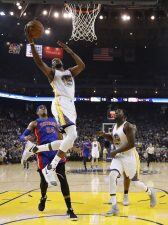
(65, 47)
(27, 33)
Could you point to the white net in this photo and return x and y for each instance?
(83, 21)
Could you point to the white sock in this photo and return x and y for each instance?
(55, 161)
(51, 146)
(113, 199)
(126, 195)
(142, 186)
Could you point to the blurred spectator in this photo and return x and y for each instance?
(152, 127)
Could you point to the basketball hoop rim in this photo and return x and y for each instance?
(84, 11)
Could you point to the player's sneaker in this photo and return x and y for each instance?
(49, 174)
(152, 198)
(30, 149)
(72, 215)
(41, 205)
(113, 212)
(126, 200)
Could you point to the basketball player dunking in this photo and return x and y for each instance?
(46, 130)
(125, 159)
(63, 108)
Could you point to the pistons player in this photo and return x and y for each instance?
(45, 130)
(86, 148)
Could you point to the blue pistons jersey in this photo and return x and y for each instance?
(86, 149)
(46, 132)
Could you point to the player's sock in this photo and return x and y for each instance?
(142, 186)
(113, 199)
(68, 202)
(148, 190)
(55, 161)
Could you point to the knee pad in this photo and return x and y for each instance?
(114, 174)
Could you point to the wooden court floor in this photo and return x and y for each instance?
(19, 198)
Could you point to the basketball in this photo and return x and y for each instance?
(36, 28)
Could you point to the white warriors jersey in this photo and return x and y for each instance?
(63, 84)
(120, 138)
(95, 146)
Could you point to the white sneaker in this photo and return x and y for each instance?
(49, 174)
(28, 151)
(113, 211)
(152, 196)
(126, 200)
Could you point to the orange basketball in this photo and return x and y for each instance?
(36, 28)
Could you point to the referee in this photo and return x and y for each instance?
(150, 151)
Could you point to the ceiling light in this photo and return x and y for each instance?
(56, 14)
(101, 17)
(19, 7)
(45, 12)
(152, 17)
(2, 13)
(125, 17)
(47, 31)
(11, 13)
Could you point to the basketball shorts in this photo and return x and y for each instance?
(45, 158)
(95, 154)
(128, 163)
(64, 111)
(86, 154)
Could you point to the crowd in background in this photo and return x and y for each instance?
(151, 122)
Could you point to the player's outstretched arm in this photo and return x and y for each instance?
(80, 64)
(39, 62)
(26, 135)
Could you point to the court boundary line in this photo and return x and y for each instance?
(3, 192)
(12, 199)
(82, 214)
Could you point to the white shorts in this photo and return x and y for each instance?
(64, 111)
(128, 164)
(95, 154)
